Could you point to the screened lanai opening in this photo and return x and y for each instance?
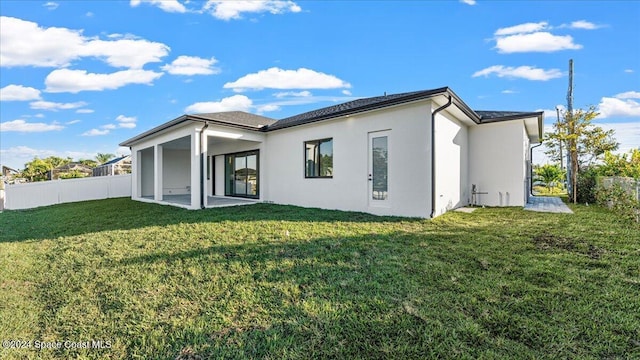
(146, 171)
(176, 171)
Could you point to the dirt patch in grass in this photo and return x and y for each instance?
(548, 242)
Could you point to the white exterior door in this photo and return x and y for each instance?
(378, 177)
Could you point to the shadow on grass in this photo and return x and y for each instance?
(359, 296)
(124, 214)
(388, 295)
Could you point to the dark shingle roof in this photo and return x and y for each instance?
(236, 118)
(488, 116)
(353, 107)
(113, 161)
(260, 123)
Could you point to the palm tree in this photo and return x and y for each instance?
(549, 174)
(103, 158)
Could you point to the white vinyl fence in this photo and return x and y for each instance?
(43, 193)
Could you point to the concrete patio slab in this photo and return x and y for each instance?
(547, 204)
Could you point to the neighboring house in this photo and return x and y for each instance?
(117, 166)
(411, 154)
(8, 173)
(61, 170)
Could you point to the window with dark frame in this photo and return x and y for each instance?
(318, 158)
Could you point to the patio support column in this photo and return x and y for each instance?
(195, 169)
(136, 182)
(204, 148)
(157, 172)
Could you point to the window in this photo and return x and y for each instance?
(318, 158)
(241, 172)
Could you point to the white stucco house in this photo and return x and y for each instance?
(415, 154)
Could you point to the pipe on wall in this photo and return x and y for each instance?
(203, 195)
(433, 154)
(531, 167)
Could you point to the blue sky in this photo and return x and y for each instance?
(79, 77)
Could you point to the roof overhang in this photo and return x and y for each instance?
(183, 119)
(533, 122)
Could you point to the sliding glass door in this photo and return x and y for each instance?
(241, 172)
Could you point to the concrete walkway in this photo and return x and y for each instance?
(547, 204)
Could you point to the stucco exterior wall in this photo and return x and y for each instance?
(176, 172)
(497, 163)
(146, 168)
(452, 165)
(409, 154)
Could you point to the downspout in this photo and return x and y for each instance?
(531, 167)
(203, 196)
(433, 155)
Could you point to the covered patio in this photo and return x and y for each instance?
(199, 163)
(212, 201)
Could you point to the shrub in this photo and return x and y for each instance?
(621, 199)
(587, 185)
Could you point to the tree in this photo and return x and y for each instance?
(73, 174)
(103, 158)
(88, 162)
(584, 141)
(549, 174)
(627, 165)
(37, 169)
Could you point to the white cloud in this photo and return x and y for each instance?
(192, 65)
(524, 72)
(167, 5)
(622, 107)
(38, 115)
(535, 42)
(51, 5)
(583, 24)
(228, 10)
(346, 92)
(128, 53)
(25, 43)
(23, 126)
(74, 81)
(282, 94)
(85, 111)
(509, 91)
(276, 78)
(122, 150)
(108, 126)
(95, 132)
(127, 122)
(89, 14)
(127, 125)
(19, 93)
(54, 106)
(232, 103)
(126, 119)
(522, 28)
(551, 116)
(17, 156)
(72, 122)
(267, 108)
(629, 95)
(626, 133)
(628, 71)
(468, 2)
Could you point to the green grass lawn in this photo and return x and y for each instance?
(270, 281)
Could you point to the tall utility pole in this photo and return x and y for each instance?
(570, 130)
